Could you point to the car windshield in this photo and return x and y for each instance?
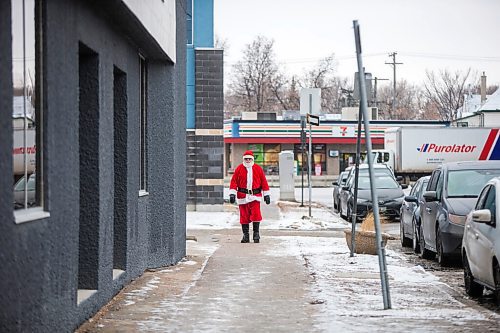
(468, 183)
(382, 182)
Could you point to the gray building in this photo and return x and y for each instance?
(99, 160)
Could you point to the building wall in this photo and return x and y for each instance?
(43, 259)
(206, 146)
(205, 110)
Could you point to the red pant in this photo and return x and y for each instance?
(250, 212)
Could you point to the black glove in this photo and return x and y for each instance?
(267, 199)
(232, 198)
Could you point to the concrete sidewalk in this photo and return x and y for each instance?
(293, 281)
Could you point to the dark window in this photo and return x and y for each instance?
(143, 75)
(489, 202)
(434, 179)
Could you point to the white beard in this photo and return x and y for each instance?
(248, 164)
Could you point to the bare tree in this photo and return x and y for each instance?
(446, 91)
(254, 76)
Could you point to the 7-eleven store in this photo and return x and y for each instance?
(333, 142)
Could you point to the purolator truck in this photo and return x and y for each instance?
(413, 152)
(20, 146)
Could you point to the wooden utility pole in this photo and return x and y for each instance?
(393, 63)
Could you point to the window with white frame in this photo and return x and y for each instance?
(26, 104)
(143, 86)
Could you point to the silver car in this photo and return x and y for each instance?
(19, 188)
(481, 243)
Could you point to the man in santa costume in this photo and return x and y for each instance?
(248, 187)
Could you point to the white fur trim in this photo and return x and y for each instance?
(232, 191)
(266, 193)
(248, 156)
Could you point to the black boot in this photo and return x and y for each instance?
(246, 230)
(256, 235)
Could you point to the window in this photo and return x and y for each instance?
(318, 157)
(490, 203)
(143, 86)
(189, 22)
(26, 104)
(267, 156)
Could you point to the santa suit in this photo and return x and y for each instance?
(249, 178)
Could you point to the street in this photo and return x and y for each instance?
(300, 278)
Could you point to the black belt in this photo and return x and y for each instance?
(254, 191)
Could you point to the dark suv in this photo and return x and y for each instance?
(450, 195)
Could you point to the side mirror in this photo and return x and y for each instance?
(345, 188)
(404, 186)
(411, 198)
(336, 183)
(481, 216)
(430, 196)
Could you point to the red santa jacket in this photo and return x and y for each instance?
(250, 179)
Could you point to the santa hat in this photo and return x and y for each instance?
(248, 154)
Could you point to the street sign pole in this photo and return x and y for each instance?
(302, 149)
(310, 156)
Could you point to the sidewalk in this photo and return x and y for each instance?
(300, 278)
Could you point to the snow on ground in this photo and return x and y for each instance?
(292, 216)
(350, 287)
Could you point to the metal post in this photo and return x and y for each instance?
(354, 217)
(310, 155)
(302, 148)
(380, 246)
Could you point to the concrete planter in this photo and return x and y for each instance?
(365, 241)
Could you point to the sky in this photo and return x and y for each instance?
(426, 34)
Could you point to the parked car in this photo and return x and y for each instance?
(450, 195)
(410, 214)
(481, 243)
(389, 191)
(337, 186)
(19, 189)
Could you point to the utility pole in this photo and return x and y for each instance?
(376, 79)
(393, 63)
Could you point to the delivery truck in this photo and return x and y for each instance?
(24, 147)
(413, 152)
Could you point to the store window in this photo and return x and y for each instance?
(26, 105)
(267, 156)
(318, 161)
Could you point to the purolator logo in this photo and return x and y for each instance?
(434, 148)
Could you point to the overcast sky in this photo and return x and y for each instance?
(426, 34)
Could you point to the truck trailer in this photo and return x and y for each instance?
(413, 152)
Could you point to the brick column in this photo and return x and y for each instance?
(205, 152)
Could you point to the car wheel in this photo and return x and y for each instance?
(472, 288)
(424, 253)
(405, 241)
(496, 278)
(443, 259)
(416, 237)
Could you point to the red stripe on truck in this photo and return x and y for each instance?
(489, 142)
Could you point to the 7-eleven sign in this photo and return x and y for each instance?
(343, 131)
